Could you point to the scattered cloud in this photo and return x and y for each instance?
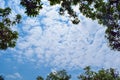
(3, 3)
(14, 76)
(52, 40)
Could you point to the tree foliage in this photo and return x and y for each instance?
(8, 37)
(102, 74)
(1, 77)
(58, 75)
(39, 78)
(106, 13)
(32, 7)
(108, 74)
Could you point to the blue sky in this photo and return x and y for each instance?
(51, 42)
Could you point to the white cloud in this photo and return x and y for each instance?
(14, 76)
(63, 45)
(2, 3)
(15, 6)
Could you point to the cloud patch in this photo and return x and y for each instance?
(52, 40)
(14, 76)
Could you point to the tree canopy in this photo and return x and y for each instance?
(1, 77)
(88, 74)
(57, 75)
(102, 74)
(106, 12)
(32, 7)
(8, 37)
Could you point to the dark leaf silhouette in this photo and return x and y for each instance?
(8, 37)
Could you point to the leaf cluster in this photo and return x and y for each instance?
(88, 74)
(32, 7)
(8, 37)
(108, 74)
(1, 77)
(58, 75)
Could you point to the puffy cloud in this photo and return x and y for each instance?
(52, 40)
(14, 76)
(15, 6)
(2, 3)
